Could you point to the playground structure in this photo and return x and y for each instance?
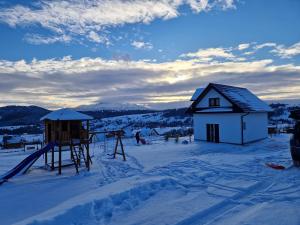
(66, 130)
(69, 130)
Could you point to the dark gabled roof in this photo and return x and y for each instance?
(241, 98)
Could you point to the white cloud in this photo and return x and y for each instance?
(141, 45)
(93, 36)
(280, 50)
(243, 46)
(287, 52)
(37, 39)
(209, 53)
(249, 53)
(87, 18)
(265, 45)
(199, 5)
(206, 5)
(70, 82)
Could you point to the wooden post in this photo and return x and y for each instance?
(123, 153)
(71, 150)
(88, 145)
(53, 135)
(59, 159)
(116, 147)
(59, 150)
(119, 139)
(52, 158)
(70, 138)
(46, 158)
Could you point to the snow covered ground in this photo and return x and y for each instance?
(161, 183)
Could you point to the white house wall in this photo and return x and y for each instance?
(204, 103)
(229, 126)
(256, 127)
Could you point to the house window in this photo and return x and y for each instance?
(214, 102)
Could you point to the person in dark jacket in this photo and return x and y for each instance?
(137, 137)
(295, 145)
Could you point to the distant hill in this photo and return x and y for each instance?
(105, 106)
(100, 114)
(30, 115)
(21, 115)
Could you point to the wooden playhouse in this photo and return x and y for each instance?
(70, 131)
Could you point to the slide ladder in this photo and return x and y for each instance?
(23, 166)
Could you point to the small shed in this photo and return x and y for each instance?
(12, 141)
(68, 128)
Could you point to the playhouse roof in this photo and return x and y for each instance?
(240, 97)
(66, 114)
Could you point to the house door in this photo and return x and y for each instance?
(212, 133)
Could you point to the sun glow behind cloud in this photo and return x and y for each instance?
(71, 82)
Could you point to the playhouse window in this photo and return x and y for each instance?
(214, 102)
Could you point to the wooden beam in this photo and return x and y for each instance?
(59, 159)
(116, 148)
(52, 158)
(122, 148)
(88, 145)
(59, 150)
(46, 158)
(53, 128)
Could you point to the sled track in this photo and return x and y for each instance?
(212, 214)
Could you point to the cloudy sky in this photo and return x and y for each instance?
(69, 53)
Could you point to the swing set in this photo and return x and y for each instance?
(118, 136)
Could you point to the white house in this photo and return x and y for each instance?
(228, 114)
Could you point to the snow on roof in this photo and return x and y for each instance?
(243, 98)
(66, 114)
(197, 93)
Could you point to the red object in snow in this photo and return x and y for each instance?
(143, 141)
(275, 166)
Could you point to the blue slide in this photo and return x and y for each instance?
(23, 166)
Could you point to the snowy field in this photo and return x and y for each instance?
(161, 183)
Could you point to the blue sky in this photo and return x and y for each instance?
(68, 53)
